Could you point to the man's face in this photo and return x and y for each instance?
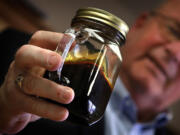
(150, 68)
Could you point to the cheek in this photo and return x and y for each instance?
(139, 43)
(144, 86)
(145, 78)
(132, 52)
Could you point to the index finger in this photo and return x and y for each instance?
(50, 40)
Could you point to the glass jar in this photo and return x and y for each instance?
(91, 67)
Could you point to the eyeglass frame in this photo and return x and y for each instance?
(175, 32)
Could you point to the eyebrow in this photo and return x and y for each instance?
(155, 13)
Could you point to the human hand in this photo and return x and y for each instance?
(19, 106)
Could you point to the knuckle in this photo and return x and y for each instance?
(29, 85)
(20, 51)
(35, 107)
(9, 91)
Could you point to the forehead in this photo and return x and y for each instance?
(171, 8)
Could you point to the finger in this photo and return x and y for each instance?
(23, 102)
(35, 85)
(44, 109)
(50, 40)
(29, 56)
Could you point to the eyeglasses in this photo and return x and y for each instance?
(169, 26)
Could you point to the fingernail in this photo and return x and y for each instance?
(68, 95)
(64, 115)
(64, 41)
(53, 61)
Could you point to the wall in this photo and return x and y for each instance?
(60, 12)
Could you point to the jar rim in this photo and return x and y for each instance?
(104, 17)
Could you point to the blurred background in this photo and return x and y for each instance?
(55, 15)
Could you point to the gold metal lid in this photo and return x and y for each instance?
(104, 17)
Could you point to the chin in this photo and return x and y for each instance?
(135, 79)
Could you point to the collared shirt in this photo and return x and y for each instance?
(121, 118)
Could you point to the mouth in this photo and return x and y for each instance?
(158, 65)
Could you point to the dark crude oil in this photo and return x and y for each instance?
(92, 91)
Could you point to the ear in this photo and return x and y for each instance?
(140, 21)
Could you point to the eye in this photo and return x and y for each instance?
(174, 31)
